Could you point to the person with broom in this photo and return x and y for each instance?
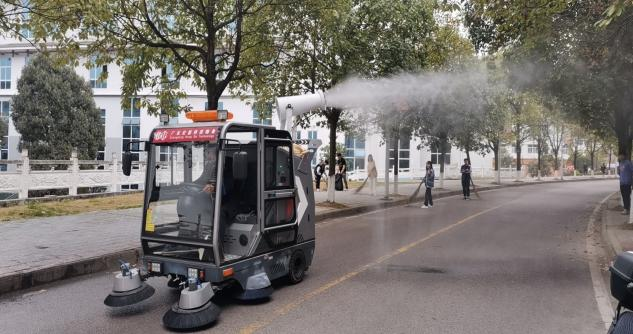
(429, 182)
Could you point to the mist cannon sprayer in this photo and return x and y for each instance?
(290, 106)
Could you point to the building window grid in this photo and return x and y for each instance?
(5, 112)
(354, 152)
(5, 73)
(131, 125)
(95, 77)
(436, 156)
(26, 17)
(532, 148)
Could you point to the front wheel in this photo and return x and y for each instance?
(297, 267)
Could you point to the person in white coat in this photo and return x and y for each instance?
(372, 174)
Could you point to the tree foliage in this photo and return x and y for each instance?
(54, 111)
(212, 43)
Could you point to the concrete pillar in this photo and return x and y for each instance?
(24, 177)
(74, 171)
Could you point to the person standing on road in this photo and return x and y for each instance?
(466, 171)
(625, 171)
(372, 174)
(319, 169)
(429, 182)
(342, 167)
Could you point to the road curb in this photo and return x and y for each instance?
(25, 280)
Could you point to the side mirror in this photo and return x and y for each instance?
(127, 163)
(240, 165)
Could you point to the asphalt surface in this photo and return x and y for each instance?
(513, 261)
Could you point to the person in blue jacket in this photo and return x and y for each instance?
(429, 182)
(625, 171)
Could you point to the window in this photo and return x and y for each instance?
(354, 152)
(96, 79)
(532, 148)
(404, 152)
(436, 155)
(278, 210)
(167, 152)
(133, 111)
(4, 137)
(25, 32)
(5, 73)
(220, 105)
(5, 110)
(278, 166)
(257, 119)
(128, 187)
(312, 135)
(169, 76)
(131, 133)
(131, 125)
(298, 136)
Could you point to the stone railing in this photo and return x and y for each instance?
(25, 176)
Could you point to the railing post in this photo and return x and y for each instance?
(74, 171)
(24, 177)
(114, 166)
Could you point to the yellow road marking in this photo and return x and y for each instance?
(285, 309)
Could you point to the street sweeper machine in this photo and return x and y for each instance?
(225, 205)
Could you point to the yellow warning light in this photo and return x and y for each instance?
(209, 115)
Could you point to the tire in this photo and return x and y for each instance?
(624, 324)
(297, 267)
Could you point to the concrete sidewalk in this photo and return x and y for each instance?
(617, 229)
(42, 250)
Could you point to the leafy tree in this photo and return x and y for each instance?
(54, 111)
(332, 40)
(213, 43)
(555, 131)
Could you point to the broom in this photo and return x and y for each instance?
(417, 191)
(361, 186)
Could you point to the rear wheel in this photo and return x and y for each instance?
(297, 267)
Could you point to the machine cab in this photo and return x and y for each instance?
(217, 193)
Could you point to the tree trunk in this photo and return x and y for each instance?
(212, 100)
(518, 149)
(624, 146)
(332, 116)
(443, 144)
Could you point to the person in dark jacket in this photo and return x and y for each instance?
(342, 168)
(466, 171)
(625, 171)
(429, 182)
(319, 169)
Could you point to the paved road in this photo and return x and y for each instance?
(512, 262)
